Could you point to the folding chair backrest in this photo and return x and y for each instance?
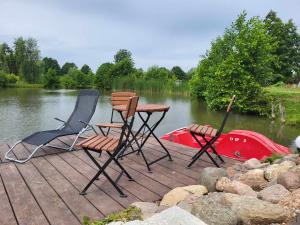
(131, 107)
(226, 115)
(84, 109)
(121, 98)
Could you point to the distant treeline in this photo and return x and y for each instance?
(22, 62)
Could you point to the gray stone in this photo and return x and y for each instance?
(255, 179)
(275, 170)
(209, 176)
(147, 208)
(292, 201)
(252, 164)
(170, 216)
(178, 194)
(212, 212)
(254, 211)
(235, 187)
(289, 180)
(274, 193)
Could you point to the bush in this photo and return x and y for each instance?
(51, 80)
(6, 79)
(238, 63)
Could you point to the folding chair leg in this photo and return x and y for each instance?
(102, 171)
(121, 167)
(214, 150)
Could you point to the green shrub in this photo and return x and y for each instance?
(273, 158)
(51, 79)
(131, 213)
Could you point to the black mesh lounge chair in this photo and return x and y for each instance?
(214, 134)
(77, 124)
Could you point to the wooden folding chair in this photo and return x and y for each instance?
(117, 98)
(204, 131)
(112, 146)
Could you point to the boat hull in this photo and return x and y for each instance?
(238, 144)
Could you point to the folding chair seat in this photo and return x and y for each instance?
(113, 146)
(210, 135)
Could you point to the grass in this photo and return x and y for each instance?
(129, 214)
(289, 97)
(22, 84)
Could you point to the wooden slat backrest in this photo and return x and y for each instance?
(131, 107)
(121, 98)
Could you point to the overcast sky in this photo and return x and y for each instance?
(157, 32)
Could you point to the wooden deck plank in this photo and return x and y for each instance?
(25, 206)
(97, 197)
(52, 205)
(78, 204)
(7, 216)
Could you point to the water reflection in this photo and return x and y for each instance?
(23, 111)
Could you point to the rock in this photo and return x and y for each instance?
(297, 161)
(252, 164)
(274, 193)
(173, 216)
(212, 212)
(290, 157)
(116, 223)
(275, 170)
(292, 201)
(161, 208)
(147, 208)
(254, 211)
(289, 180)
(209, 177)
(235, 187)
(180, 193)
(255, 179)
(296, 170)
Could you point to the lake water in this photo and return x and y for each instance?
(24, 111)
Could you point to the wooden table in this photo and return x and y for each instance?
(146, 130)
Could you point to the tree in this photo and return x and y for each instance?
(158, 73)
(288, 47)
(27, 55)
(238, 63)
(50, 63)
(121, 55)
(50, 79)
(7, 59)
(103, 78)
(178, 72)
(81, 80)
(123, 68)
(66, 67)
(85, 69)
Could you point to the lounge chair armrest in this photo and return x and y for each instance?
(110, 125)
(60, 120)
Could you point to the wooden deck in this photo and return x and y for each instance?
(45, 190)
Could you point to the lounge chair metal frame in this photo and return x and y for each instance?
(209, 143)
(64, 125)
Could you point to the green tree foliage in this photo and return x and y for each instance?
(103, 78)
(121, 55)
(86, 69)
(51, 79)
(179, 73)
(7, 59)
(27, 56)
(50, 63)
(123, 68)
(67, 66)
(6, 79)
(158, 73)
(287, 50)
(77, 79)
(238, 63)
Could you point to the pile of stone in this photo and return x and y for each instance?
(249, 193)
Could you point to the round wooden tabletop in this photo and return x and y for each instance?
(145, 108)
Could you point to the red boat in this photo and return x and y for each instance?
(237, 144)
